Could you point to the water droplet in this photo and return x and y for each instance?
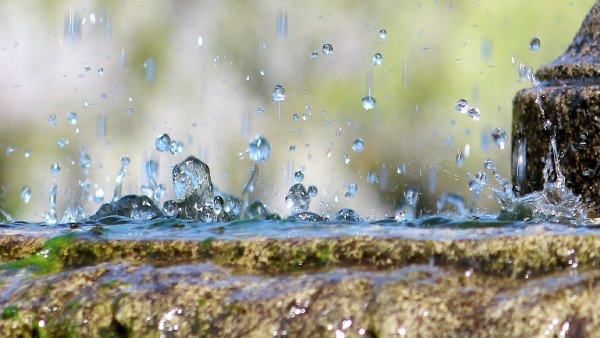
(462, 106)
(327, 49)
(150, 67)
(292, 149)
(72, 118)
(535, 44)
(88, 69)
(191, 178)
(372, 178)
(547, 124)
(312, 191)
(299, 176)
(62, 142)
(100, 71)
(26, 194)
(358, 145)
(346, 159)
(125, 161)
(383, 33)
(99, 195)
(477, 181)
(499, 137)
(297, 199)
(352, 188)
(200, 41)
(278, 93)
(488, 164)
(28, 153)
(314, 54)
(176, 147)
(295, 117)
(9, 150)
(163, 142)
(347, 215)
(369, 102)
(460, 159)
(85, 161)
(378, 59)
(52, 120)
(304, 117)
(54, 169)
(259, 149)
(474, 113)
(260, 110)
(257, 210)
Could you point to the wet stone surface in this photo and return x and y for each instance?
(174, 277)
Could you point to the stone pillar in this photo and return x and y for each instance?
(569, 94)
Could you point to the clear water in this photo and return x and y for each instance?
(209, 110)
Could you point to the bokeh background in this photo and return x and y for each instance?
(203, 72)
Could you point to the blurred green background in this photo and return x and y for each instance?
(200, 71)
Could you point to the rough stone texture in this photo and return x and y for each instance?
(496, 283)
(570, 95)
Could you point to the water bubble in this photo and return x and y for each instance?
(259, 149)
(170, 208)
(499, 137)
(383, 33)
(372, 178)
(72, 118)
(378, 59)
(257, 210)
(369, 102)
(474, 113)
(327, 49)
(52, 120)
(54, 169)
(314, 54)
(85, 161)
(62, 142)
(346, 159)
(534, 44)
(352, 188)
(26, 194)
(312, 191)
(297, 199)
(462, 106)
(163, 142)
(358, 145)
(278, 93)
(299, 176)
(460, 159)
(347, 215)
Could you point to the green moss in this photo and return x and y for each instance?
(207, 244)
(109, 285)
(10, 311)
(47, 260)
(324, 254)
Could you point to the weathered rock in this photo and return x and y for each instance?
(569, 93)
(430, 282)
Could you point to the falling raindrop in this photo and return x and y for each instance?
(535, 44)
(52, 120)
(54, 169)
(327, 49)
(352, 188)
(278, 93)
(282, 24)
(314, 54)
(460, 159)
(358, 145)
(462, 106)
(295, 117)
(72, 118)
(369, 102)
(372, 178)
(260, 110)
(85, 161)
(346, 159)
(163, 142)
(312, 191)
(383, 33)
(378, 59)
(26, 194)
(299, 176)
(499, 137)
(474, 113)
(259, 149)
(62, 142)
